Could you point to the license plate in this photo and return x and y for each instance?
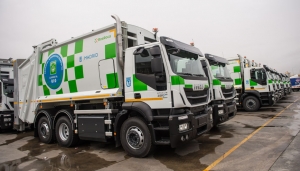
(221, 112)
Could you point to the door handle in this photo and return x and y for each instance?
(137, 95)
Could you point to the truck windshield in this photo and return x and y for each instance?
(220, 71)
(186, 63)
(8, 90)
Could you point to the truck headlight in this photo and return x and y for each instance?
(183, 127)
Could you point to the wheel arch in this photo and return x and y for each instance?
(64, 112)
(141, 108)
(131, 109)
(38, 116)
(252, 93)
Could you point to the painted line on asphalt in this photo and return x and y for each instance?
(244, 140)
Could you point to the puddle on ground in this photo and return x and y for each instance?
(204, 145)
(247, 125)
(53, 157)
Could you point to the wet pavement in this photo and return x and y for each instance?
(274, 147)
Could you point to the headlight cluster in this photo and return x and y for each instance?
(184, 127)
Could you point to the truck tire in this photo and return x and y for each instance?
(64, 134)
(44, 131)
(136, 138)
(251, 104)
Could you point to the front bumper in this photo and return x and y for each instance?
(223, 112)
(198, 125)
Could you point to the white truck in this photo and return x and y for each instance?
(117, 83)
(253, 89)
(6, 94)
(272, 82)
(223, 92)
(288, 83)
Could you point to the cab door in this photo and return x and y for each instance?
(146, 79)
(257, 81)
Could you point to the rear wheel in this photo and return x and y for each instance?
(136, 137)
(44, 131)
(64, 134)
(251, 104)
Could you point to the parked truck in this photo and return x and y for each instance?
(6, 94)
(119, 83)
(223, 92)
(251, 84)
(288, 83)
(272, 82)
(295, 82)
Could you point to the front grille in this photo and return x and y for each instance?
(196, 97)
(227, 92)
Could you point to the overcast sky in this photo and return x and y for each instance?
(267, 31)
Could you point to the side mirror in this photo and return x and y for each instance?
(157, 65)
(204, 64)
(155, 51)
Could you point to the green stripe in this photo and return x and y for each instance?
(72, 86)
(66, 75)
(41, 58)
(139, 85)
(79, 72)
(46, 90)
(110, 51)
(270, 81)
(223, 86)
(112, 80)
(78, 46)
(60, 91)
(177, 80)
(216, 82)
(237, 81)
(236, 69)
(206, 86)
(252, 83)
(43, 65)
(64, 50)
(40, 80)
(50, 52)
(188, 86)
(70, 61)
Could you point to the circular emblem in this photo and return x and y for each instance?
(54, 71)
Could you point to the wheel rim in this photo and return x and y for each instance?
(251, 103)
(63, 131)
(44, 130)
(135, 137)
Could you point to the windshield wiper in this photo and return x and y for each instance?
(221, 77)
(199, 75)
(183, 73)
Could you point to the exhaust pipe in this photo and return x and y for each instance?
(119, 40)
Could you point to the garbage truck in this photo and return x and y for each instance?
(253, 89)
(272, 82)
(6, 94)
(120, 83)
(223, 93)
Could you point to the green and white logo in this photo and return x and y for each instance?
(53, 67)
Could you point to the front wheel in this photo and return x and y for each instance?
(136, 137)
(251, 104)
(64, 134)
